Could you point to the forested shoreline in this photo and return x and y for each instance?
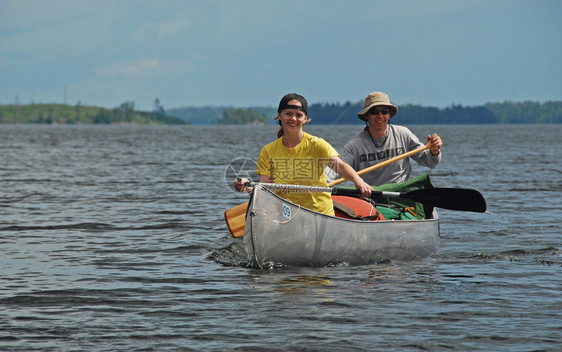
(346, 114)
(320, 113)
(83, 114)
(491, 113)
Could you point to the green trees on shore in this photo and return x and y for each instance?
(242, 117)
(80, 114)
(346, 114)
(491, 113)
(320, 113)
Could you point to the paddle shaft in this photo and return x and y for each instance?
(384, 163)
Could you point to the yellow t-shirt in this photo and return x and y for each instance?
(302, 165)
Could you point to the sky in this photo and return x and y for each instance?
(250, 53)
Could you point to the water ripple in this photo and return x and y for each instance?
(113, 239)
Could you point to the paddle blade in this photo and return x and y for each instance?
(449, 198)
(236, 219)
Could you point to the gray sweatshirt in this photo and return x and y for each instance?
(363, 151)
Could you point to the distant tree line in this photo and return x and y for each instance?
(242, 117)
(345, 114)
(491, 113)
(527, 112)
(320, 113)
(215, 115)
(80, 114)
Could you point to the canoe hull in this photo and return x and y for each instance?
(279, 232)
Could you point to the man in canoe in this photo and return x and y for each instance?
(380, 141)
(299, 158)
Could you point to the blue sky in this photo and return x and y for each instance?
(250, 53)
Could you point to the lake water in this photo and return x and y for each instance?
(113, 239)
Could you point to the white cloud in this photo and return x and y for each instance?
(121, 69)
(176, 26)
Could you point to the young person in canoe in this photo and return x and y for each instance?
(297, 157)
(380, 141)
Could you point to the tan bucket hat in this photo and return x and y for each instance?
(375, 99)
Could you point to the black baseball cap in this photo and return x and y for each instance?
(284, 103)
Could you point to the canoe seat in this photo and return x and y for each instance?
(355, 208)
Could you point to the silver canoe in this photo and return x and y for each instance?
(279, 232)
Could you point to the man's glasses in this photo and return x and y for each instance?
(375, 111)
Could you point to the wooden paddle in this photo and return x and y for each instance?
(236, 217)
